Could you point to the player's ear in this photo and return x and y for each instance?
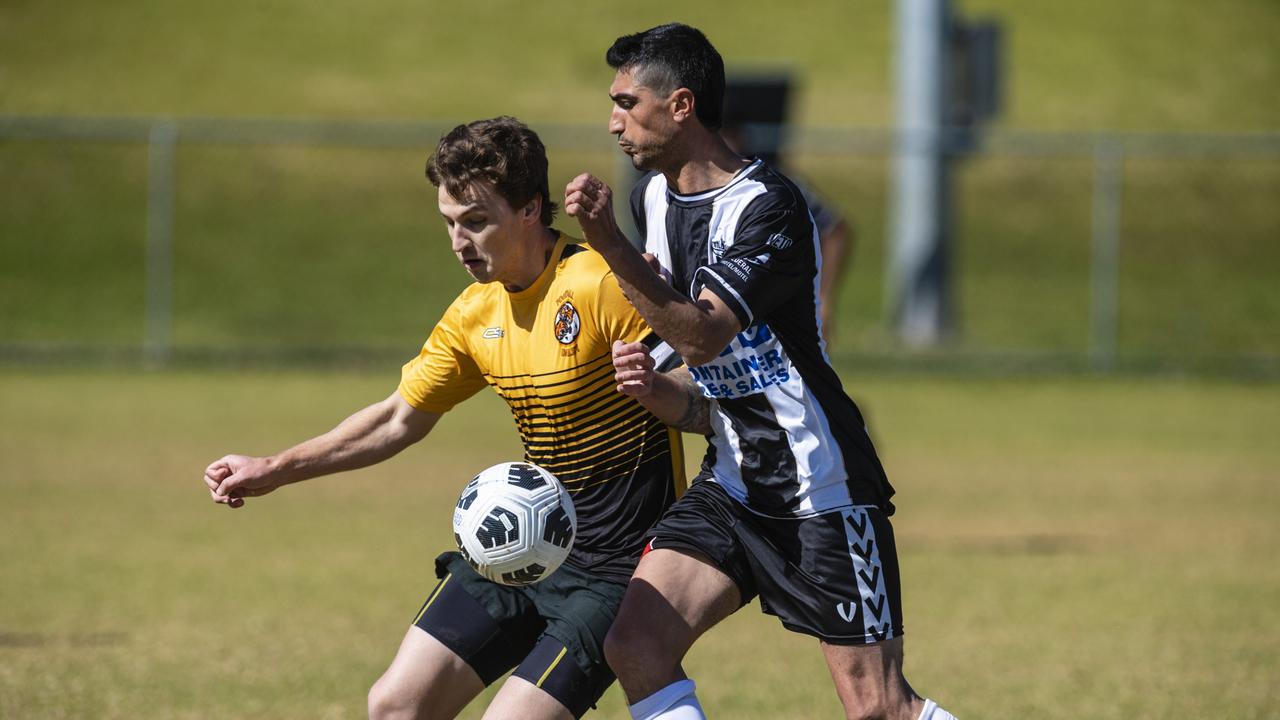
(532, 210)
(682, 104)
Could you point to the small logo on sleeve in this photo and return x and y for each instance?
(493, 333)
(718, 246)
(780, 241)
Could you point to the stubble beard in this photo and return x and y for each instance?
(647, 157)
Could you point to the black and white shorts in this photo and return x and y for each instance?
(833, 576)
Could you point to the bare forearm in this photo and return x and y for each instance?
(367, 437)
(677, 401)
(689, 326)
(698, 329)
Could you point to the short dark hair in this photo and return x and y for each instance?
(674, 56)
(503, 151)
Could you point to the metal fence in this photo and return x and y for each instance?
(1108, 154)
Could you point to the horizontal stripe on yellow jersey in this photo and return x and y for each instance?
(618, 472)
(605, 358)
(589, 394)
(628, 446)
(633, 451)
(610, 414)
(587, 384)
(629, 420)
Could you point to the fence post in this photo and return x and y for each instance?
(157, 333)
(1104, 305)
(916, 292)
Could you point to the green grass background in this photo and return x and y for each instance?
(324, 247)
(1072, 548)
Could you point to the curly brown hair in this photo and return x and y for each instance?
(503, 151)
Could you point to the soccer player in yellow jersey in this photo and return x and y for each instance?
(537, 326)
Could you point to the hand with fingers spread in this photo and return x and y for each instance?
(232, 478)
(633, 368)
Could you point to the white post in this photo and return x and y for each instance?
(916, 273)
(1104, 295)
(156, 339)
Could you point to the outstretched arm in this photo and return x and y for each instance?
(369, 436)
(698, 329)
(673, 397)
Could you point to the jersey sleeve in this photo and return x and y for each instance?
(770, 262)
(444, 373)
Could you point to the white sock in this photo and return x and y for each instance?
(933, 712)
(673, 702)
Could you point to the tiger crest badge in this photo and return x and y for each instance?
(568, 324)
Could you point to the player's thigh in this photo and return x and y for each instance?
(694, 574)
(424, 674)
(520, 698)
(674, 597)
(568, 663)
(490, 626)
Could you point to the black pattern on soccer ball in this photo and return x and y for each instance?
(500, 527)
(465, 501)
(525, 476)
(524, 576)
(558, 530)
(469, 493)
(463, 549)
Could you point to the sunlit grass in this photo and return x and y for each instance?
(1081, 548)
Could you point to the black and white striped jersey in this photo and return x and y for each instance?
(787, 441)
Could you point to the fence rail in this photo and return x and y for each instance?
(1108, 152)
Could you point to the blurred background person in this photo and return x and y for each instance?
(755, 110)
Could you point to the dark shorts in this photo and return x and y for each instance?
(833, 576)
(551, 632)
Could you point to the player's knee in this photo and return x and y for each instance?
(630, 651)
(387, 703)
(618, 651)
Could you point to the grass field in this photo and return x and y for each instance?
(1072, 548)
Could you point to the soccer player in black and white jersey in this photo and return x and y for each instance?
(794, 504)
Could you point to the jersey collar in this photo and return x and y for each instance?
(712, 194)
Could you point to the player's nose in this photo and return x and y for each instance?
(459, 240)
(616, 121)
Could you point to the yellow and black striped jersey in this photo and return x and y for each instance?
(546, 350)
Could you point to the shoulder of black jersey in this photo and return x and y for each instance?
(780, 190)
(642, 186)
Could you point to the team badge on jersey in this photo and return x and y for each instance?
(568, 324)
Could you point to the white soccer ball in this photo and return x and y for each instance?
(515, 523)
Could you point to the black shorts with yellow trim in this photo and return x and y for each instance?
(551, 632)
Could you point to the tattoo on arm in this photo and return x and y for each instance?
(697, 411)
